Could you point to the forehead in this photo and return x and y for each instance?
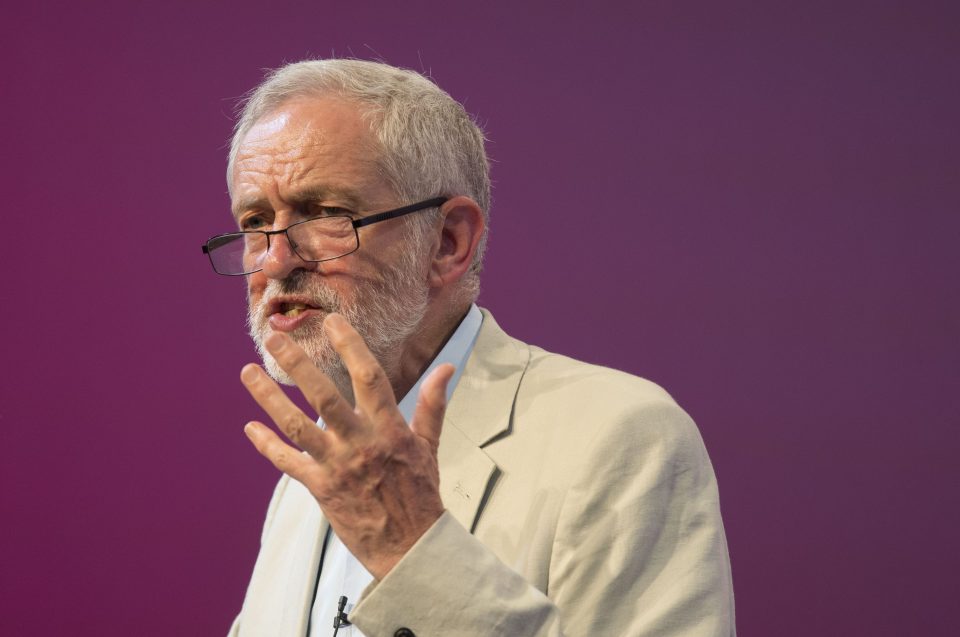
(317, 143)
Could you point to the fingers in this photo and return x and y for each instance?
(295, 424)
(283, 456)
(371, 387)
(431, 405)
(319, 390)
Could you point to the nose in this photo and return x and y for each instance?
(280, 259)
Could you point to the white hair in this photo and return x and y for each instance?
(429, 145)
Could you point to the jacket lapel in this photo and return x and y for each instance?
(281, 591)
(479, 412)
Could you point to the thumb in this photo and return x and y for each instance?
(432, 404)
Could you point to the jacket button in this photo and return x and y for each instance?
(404, 632)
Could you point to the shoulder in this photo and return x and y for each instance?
(606, 411)
(554, 374)
(555, 402)
(498, 355)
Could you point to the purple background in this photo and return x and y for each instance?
(753, 204)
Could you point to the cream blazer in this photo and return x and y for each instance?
(579, 501)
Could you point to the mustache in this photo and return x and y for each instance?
(300, 283)
(297, 282)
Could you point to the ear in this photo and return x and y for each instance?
(463, 225)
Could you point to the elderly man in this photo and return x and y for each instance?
(460, 482)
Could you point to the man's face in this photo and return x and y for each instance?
(313, 158)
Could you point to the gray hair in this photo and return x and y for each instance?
(430, 146)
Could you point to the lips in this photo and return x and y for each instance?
(286, 313)
(290, 305)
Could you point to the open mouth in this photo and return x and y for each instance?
(289, 307)
(294, 309)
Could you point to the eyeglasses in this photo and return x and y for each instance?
(313, 240)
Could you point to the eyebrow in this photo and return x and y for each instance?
(306, 195)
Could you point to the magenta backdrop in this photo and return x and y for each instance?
(754, 204)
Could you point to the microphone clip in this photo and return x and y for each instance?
(340, 619)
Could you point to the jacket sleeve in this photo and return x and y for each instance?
(639, 550)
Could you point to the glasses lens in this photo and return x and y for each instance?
(318, 239)
(236, 253)
(323, 238)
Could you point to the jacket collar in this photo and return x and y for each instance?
(482, 404)
(479, 412)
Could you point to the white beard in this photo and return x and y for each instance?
(384, 312)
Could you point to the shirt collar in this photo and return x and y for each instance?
(456, 352)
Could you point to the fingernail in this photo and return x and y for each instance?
(250, 429)
(250, 373)
(275, 342)
(335, 320)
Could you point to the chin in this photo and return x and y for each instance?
(317, 348)
(276, 372)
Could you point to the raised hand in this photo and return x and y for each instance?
(376, 478)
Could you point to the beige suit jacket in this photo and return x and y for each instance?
(580, 501)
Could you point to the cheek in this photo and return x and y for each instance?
(256, 284)
(344, 272)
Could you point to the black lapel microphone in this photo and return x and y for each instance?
(341, 617)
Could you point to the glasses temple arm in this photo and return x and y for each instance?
(399, 212)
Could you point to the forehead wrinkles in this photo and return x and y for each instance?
(285, 150)
(285, 161)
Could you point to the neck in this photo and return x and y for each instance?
(420, 349)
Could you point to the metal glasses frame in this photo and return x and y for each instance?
(356, 223)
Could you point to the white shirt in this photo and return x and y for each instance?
(341, 573)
